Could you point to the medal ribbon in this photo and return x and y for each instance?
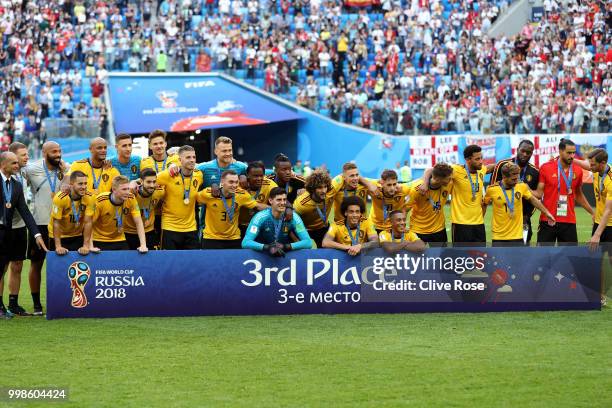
(355, 239)
(568, 181)
(510, 203)
(229, 211)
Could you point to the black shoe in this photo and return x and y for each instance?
(38, 311)
(18, 311)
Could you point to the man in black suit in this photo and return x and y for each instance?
(11, 199)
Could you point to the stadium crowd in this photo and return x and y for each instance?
(170, 202)
(398, 67)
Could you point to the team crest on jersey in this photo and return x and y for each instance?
(517, 195)
(134, 169)
(82, 207)
(444, 194)
(528, 178)
(396, 199)
(481, 176)
(105, 177)
(125, 211)
(60, 175)
(195, 183)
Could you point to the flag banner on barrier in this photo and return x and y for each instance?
(243, 282)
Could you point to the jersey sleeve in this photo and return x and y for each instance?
(370, 230)
(488, 195)
(204, 196)
(526, 191)
(384, 237)
(56, 212)
(163, 177)
(133, 206)
(302, 234)
(252, 231)
(90, 206)
(412, 237)
(247, 201)
(608, 185)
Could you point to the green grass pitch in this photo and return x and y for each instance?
(560, 359)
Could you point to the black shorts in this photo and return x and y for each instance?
(70, 243)
(243, 230)
(158, 230)
(18, 244)
(606, 236)
(221, 243)
(437, 238)
(34, 252)
(318, 235)
(134, 242)
(112, 246)
(179, 240)
(469, 235)
(561, 232)
(508, 243)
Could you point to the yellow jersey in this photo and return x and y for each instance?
(177, 214)
(99, 180)
(507, 225)
(466, 208)
(221, 221)
(382, 205)
(109, 219)
(603, 193)
(427, 215)
(315, 215)
(70, 213)
(147, 206)
(159, 166)
(261, 196)
(340, 233)
(407, 236)
(342, 191)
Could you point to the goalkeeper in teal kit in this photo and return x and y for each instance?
(269, 232)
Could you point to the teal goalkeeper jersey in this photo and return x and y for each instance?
(130, 170)
(265, 229)
(212, 172)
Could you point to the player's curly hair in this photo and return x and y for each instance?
(352, 200)
(316, 179)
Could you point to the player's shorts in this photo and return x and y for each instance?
(179, 240)
(437, 238)
(561, 232)
(469, 235)
(34, 252)
(70, 243)
(606, 238)
(17, 244)
(221, 243)
(318, 235)
(112, 246)
(508, 243)
(134, 242)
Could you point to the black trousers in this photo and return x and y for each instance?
(221, 243)
(112, 246)
(469, 235)
(508, 243)
(134, 242)
(561, 232)
(180, 240)
(318, 235)
(439, 238)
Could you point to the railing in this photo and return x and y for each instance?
(61, 128)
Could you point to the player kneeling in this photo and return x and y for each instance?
(270, 232)
(355, 232)
(398, 238)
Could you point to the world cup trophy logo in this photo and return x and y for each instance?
(167, 98)
(79, 274)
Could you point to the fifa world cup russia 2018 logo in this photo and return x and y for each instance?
(79, 274)
(167, 98)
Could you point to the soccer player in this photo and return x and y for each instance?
(560, 186)
(354, 232)
(221, 223)
(18, 245)
(100, 177)
(349, 183)
(529, 175)
(178, 223)
(315, 204)
(285, 178)
(398, 238)
(270, 232)
(44, 177)
(109, 218)
(224, 160)
(127, 164)
(259, 188)
(389, 196)
(149, 198)
(507, 198)
(159, 159)
(466, 205)
(427, 218)
(602, 184)
(70, 224)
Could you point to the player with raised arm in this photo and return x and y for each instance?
(354, 232)
(270, 232)
(507, 198)
(100, 176)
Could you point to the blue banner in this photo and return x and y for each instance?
(242, 282)
(141, 104)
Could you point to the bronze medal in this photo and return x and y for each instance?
(8, 205)
(186, 201)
